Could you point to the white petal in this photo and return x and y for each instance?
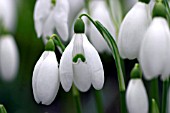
(49, 26)
(100, 12)
(61, 18)
(65, 69)
(35, 75)
(8, 14)
(154, 49)
(130, 34)
(82, 75)
(95, 64)
(9, 58)
(75, 9)
(48, 80)
(136, 97)
(41, 12)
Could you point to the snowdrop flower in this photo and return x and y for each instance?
(49, 16)
(80, 63)
(136, 96)
(75, 6)
(132, 30)
(9, 58)
(8, 14)
(99, 11)
(45, 80)
(154, 53)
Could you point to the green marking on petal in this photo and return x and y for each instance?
(81, 56)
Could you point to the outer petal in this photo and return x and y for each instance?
(35, 75)
(8, 14)
(48, 79)
(41, 12)
(95, 64)
(49, 26)
(61, 18)
(82, 75)
(65, 69)
(136, 97)
(130, 34)
(100, 12)
(9, 58)
(154, 49)
(75, 9)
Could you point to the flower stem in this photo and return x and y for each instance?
(99, 101)
(154, 106)
(75, 91)
(164, 95)
(76, 96)
(2, 109)
(113, 46)
(154, 90)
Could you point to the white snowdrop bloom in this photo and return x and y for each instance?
(75, 7)
(49, 17)
(132, 30)
(129, 4)
(136, 97)
(9, 58)
(99, 11)
(81, 64)
(8, 14)
(154, 51)
(45, 80)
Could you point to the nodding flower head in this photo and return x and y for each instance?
(80, 63)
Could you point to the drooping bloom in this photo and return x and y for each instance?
(8, 14)
(99, 11)
(132, 30)
(81, 64)
(9, 58)
(50, 16)
(45, 80)
(154, 53)
(136, 97)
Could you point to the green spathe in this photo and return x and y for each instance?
(2, 109)
(136, 72)
(79, 26)
(50, 45)
(159, 10)
(53, 2)
(145, 1)
(154, 107)
(81, 56)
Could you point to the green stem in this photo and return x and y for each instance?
(76, 96)
(75, 91)
(113, 46)
(98, 95)
(164, 95)
(58, 42)
(155, 90)
(155, 108)
(99, 101)
(2, 109)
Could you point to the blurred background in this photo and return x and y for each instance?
(17, 95)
